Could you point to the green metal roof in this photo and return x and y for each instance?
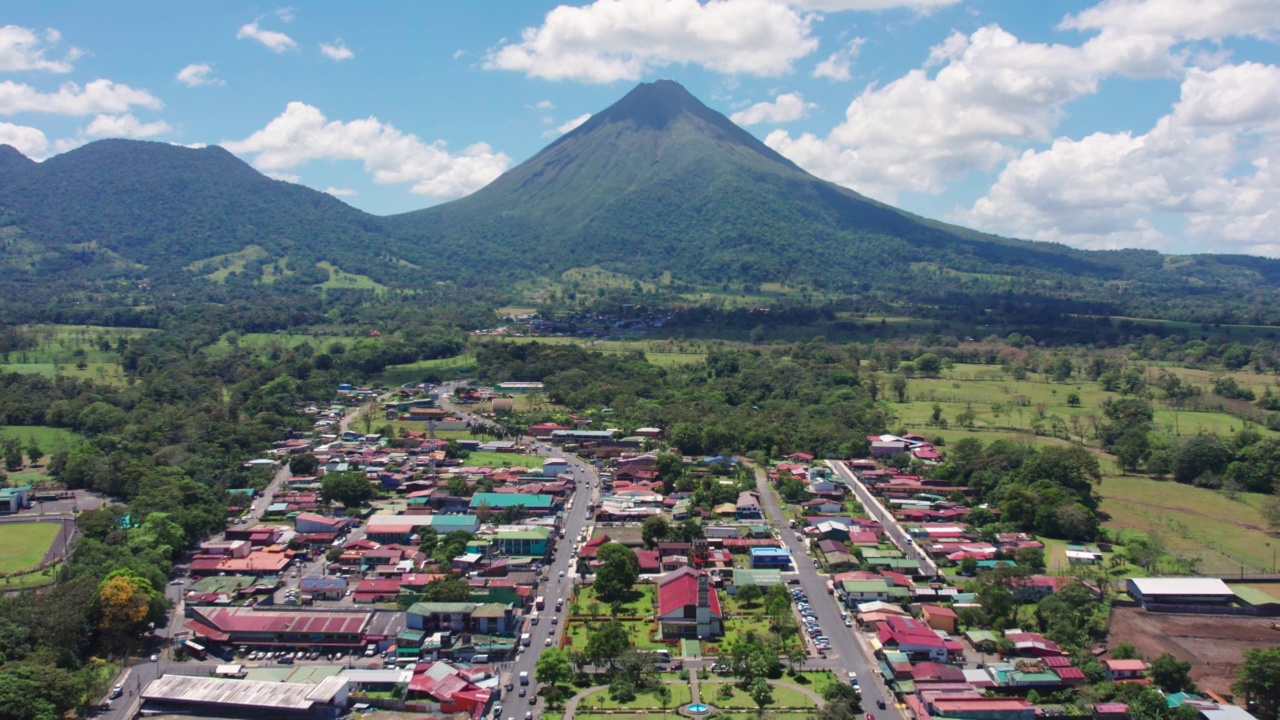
(506, 500)
(427, 608)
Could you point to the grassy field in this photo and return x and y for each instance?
(23, 545)
(681, 694)
(61, 349)
(664, 353)
(219, 267)
(783, 696)
(1009, 408)
(46, 437)
(448, 368)
(342, 280)
(1224, 533)
(640, 604)
(496, 460)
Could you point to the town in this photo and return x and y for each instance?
(572, 568)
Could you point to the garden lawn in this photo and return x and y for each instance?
(640, 604)
(578, 632)
(498, 460)
(23, 545)
(783, 696)
(681, 694)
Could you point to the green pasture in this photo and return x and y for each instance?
(448, 368)
(23, 545)
(342, 280)
(48, 438)
(1225, 533)
(219, 267)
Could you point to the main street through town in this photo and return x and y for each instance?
(877, 512)
(557, 578)
(850, 652)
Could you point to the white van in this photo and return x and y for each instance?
(479, 659)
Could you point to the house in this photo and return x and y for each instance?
(748, 506)
(554, 467)
(821, 506)
(531, 542)
(916, 639)
(448, 689)
(543, 431)
(376, 590)
(939, 618)
(1125, 670)
(533, 504)
(688, 606)
(461, 617)
(323, 588)
(770, 557)
(1179, 591)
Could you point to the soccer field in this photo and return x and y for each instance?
(23, 545)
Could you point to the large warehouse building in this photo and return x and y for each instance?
(246, 699)
(1180, 591)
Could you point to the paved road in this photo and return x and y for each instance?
(847, 651)
(554, 587)
(877, 512)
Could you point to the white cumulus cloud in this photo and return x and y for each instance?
(271, 39)
(1108, 189)
(22, 49)
(126, 126)
(337, 50)
(99, 96)
(287, 14)
(991, 94)
(839, 64)
(28, 140)
(784, 108)
(284, 177)
(611, 40)
(302, 133)
(838, 5)
(572, 124)
(341, 192)
(197, 74)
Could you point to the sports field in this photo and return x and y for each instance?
(23, 545)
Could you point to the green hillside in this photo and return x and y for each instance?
(656, 188)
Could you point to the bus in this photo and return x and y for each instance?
(195, 649)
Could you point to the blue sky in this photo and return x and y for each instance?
(1101, 123)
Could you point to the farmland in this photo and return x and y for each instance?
(1228, 535)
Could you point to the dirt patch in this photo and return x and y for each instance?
(1214, 644)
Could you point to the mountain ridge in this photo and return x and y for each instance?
(655, 185)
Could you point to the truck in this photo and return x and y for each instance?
(526, 639)
(524, 677)
(540, 603)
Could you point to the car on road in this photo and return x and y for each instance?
(155, 657)
(116, 692)
(548, 642)
(880, 704)
(524, 691)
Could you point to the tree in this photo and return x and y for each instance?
(928, 365)
(844, 702)
(553, 668)
(747, 594)
(447, 589)
(606, 645)
(688, 530)
(34, 453)
(654, 529)
(350, 488)
(1271, 511)
(1124, 651)
(618, 571)
(1171, 674)
(1258, 680)
(898, 385)
(1073, 399)
(761, 692)
(124, 606)
(12, 454)
(663, 696)
(304, 465)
